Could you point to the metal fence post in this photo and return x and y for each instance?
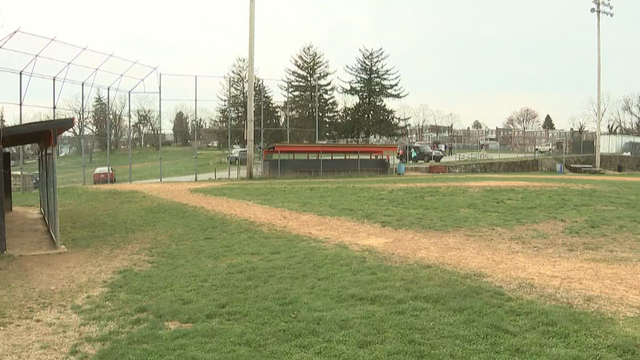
(195, 131)
(229, 132)
(108, 136)
(54, 172)
(82, 120)
(160, 122)
(278, 163)
(130, 165)
(321, 162)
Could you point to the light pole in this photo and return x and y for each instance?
(602, 7)
(317, 81)
(250, 107)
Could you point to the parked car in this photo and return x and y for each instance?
(238, 156)
(103, 175)
(631, 148)
(212, 144)
(545, 148)
(423, 153)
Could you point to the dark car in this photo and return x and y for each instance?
(423, 153)
(238, 156)
(426, 154)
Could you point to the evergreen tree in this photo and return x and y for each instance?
(234, 96)
(309, 78)
(477, 125)
(264, 106)
(548, 123)
(372, 83)
(181, 129)
(99, 117)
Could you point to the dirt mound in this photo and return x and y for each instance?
(607, 286)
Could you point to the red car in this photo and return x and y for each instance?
(103, 175)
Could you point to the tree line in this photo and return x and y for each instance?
(310, 90)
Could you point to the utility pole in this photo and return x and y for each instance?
(288, 124)
(601, 7)
(250, 99)
(317, 115)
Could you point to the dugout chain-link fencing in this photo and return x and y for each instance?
(126, 114)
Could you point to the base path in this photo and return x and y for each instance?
(567, 278)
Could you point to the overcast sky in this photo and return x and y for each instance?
(482, 59)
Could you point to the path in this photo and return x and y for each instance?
(568, 277)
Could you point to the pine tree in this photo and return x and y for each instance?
(234, 96)
(548, 123)
(372, 83)
(264, 106)
(310, 77)
(99, 117)
(181, 129)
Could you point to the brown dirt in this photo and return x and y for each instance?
(572, 279)
(38, 292)
(568, 177)
(483, 184)
(27, 232)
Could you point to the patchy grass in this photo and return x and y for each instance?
(223, 288)
(30, 199)
(598, 210)
(176, 161)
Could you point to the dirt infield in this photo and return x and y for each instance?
(486, 184)
(570, 279)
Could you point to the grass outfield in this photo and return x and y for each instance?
(587, 207)
(176, 161)
(223, 289)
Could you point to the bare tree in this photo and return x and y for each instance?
(452, 120)
(438, 120)
(592, 107)
(631, 108)
(405, 113)
(525, 119)
(146, 122)
(581, 123)
(421, 116)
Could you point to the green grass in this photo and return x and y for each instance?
(176, 161)
(30, 199)
(606, 208)
(251, 294)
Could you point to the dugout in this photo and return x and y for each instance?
(44, 134)
(283, 160)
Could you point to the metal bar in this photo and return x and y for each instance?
(8, 37)
(38, 54)
(54, 98)
(22, 190)
(82, 120)
(287, 114)
(130, 165)
(56, 223)
(191, 75)
(123, 74)
(108, 136)
(195, 131)
(229, 131)
(95, 71)
(160, 121)
(262, 117)
(71, 62)
(143, 79)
